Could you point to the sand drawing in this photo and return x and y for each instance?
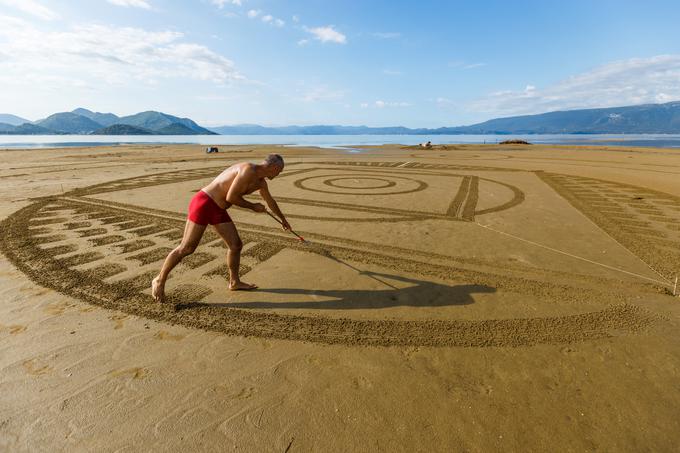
(463, 205)
(333, 182)
(416, 185)
(634, 216)
(106, 253)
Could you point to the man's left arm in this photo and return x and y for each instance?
(267, 197)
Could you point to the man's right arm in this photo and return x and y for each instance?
(238, 188)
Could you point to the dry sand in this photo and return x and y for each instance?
(464, 298)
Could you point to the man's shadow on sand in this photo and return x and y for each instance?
(419, 293)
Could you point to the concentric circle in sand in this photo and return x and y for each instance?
(395, 184)
(360, 183)
(106, 253)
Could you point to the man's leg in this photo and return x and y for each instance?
(192, 236)
(228, 232)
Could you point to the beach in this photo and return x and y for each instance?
(459, 298)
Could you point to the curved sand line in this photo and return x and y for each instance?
(27, 252)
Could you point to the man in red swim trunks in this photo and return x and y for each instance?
(209, 207)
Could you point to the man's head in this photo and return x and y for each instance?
(273, 165)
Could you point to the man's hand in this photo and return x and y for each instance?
(285, 225)
(259, 207)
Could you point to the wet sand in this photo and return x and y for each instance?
(464, 298)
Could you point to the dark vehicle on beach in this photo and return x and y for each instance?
(212, 149)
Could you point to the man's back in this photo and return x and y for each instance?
(219, 187)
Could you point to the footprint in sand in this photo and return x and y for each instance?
(134, 373)
(34, 369)
(163, 335)
(361, 382)
(246, 393)
(57, 308)
(118, 321)
(15, 329)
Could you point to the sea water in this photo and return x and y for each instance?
(332, 141)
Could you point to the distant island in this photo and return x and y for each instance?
(637, 119)
(85, 122)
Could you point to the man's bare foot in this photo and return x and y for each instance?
(158, 290)
(241, 286)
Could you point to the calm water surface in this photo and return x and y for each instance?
(327, 141)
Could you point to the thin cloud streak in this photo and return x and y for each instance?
(32, 7)
(220, 3)
(384, 104)
(131, 3)
(625, 82)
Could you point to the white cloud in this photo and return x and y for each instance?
(296, 18)
(327, 34)
(384, 104)
(464, 65)
(386, 35)
(303, 42)
(31, 7)
(391, 72)
(220, 3)
(625, 82)
(134, 3)
(98, 54)
(474, 65)
(267, 18)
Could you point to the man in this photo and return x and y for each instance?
(208, 207)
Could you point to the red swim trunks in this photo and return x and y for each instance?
(204, 211)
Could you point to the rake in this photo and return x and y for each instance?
(300, 238)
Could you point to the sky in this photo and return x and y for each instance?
(350, 62)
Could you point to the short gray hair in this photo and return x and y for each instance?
(274, 159)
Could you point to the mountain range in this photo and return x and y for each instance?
(83, 121)
(637, 119)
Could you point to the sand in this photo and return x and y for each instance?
(463, 298)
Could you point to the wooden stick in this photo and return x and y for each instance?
(293, 232)
(675, 287)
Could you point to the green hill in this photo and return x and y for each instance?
(105, 119)
(25, 129)
(157, 121)
(70, 123)
(12, 120)
(176, 129)
(123, 129)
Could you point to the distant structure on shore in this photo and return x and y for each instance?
(514, 142)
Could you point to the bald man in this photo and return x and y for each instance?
(209, 207)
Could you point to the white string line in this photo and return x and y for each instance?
(667, 283)
(626, 248)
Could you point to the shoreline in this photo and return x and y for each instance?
(668, 141)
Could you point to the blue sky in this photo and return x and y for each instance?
(416, 64)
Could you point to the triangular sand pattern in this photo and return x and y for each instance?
(641, 219)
